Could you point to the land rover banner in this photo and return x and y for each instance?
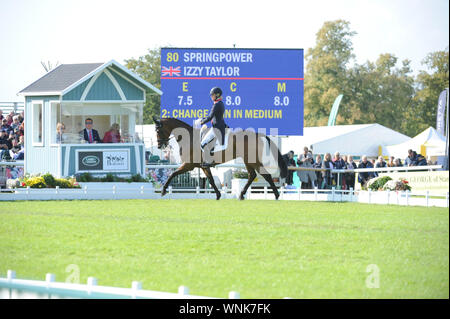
(90, 161)
(108, 161)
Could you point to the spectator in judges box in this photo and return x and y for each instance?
(88, 133)
(113, 135)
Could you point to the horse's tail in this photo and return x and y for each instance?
(281, 163)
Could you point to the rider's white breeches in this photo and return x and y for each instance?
(208, 137)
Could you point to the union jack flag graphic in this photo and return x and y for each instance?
(170, 71)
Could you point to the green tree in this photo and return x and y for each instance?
(422, 111)
(148, 67)
(379, 92)
(326, 70)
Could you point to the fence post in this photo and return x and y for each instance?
(351, 194)
(49, 278)
(85, 189)
(249, 192)
(315, 193)
(92, 281)
(183, 290)
(234, 295)
(370, 195)
(265, 192)
(10, 275)
(299, 192)
(28, 190)
(135, 286)
(170, 192)
(282, 192)
(57, 190)
(407, 198)
(332, 193)
(427, 196)
(447, 197)
(142, 190)
(197, 191)
(388, 194)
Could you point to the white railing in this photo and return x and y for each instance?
(425, 198)
(405, 198)
(12, 288)
(7, 107)
(12, 163)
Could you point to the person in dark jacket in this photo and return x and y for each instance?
(289, 160)
(218, 126)
(328, 178)
(88, 133)
(350, 177)
(364, 177)
(5, 144)
(339, 163)
(380, 164)
(419, 160)
(319, 177)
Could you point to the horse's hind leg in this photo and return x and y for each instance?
(269, 180)
(182, 169)
(208, 174)
(251, 176)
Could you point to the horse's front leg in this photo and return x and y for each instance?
(251, 177)
(185, 167)
(210, 177)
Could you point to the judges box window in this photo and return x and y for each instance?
(57, 127)
(38, 123)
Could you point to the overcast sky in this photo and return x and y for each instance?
(32, 31)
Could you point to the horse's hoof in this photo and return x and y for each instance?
(241, 197)
(218, 196)
(163, 192)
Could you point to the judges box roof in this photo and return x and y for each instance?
(91, 82)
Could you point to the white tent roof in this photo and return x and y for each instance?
(356, 140)
(432, 139)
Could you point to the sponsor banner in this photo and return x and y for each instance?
(116, 160)
(90, 161)
(100, 161)
(440, 117)
(436, 181)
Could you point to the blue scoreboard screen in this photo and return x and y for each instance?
(262, 88)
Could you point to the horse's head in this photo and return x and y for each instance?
(162, 133)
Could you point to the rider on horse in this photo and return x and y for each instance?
(216, 118)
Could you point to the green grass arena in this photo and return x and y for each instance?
(262, 249)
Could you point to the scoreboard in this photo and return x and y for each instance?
(262, 88)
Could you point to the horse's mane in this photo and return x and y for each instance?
(178, 122)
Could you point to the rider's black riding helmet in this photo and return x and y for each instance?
(217, 92)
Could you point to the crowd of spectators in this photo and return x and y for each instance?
(325, 179)
(12, 145)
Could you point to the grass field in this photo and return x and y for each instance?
(262, 249)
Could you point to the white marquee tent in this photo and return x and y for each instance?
(427, 143)
(356, 140)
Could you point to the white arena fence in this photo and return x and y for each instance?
(147, 191)
(405, 198)
(13, 288)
